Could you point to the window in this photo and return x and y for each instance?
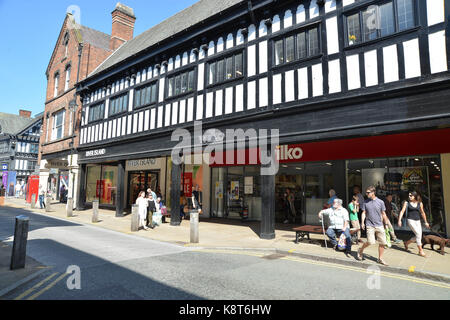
(145, 95)
(97, 112)
(118, 104)
(300, 46)
(379, 21)
(4, 147)
(34, 148)
(179, 84)
(66, 44)
(58, 125)
(66, 86)
(55, 92)
(228, 68)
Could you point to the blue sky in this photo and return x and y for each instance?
(30, 30)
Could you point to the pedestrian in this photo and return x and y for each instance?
(18, 188)
(289, 211)
(332, 194)
(353, 209)
(142, 203)
(390, 213)
(41, 197)
(375, 212)
(150, 191)
(198, 196)
(357, 192)
(414, 209)
(339, 223)
(151, 208)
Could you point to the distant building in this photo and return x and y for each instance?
(19, 143)
(79, 50)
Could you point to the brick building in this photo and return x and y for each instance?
(79, 50)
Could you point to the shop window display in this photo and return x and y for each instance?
(398, 177)
(101, 184)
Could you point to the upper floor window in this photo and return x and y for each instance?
(296, 47)
(118, 104)
(96, 112)
(66, 85)
(378, 21)
(58, 125)
(66, 44)
(55, 91)
(34, 147)
(181, 83)
(4, 147)
(145, 95)
(228, 68)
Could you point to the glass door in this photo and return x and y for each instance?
(141, 181)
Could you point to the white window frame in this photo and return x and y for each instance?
(55, 128)
(66, 85)
(55, 92)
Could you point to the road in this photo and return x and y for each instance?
(113, 265)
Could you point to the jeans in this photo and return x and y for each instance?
(331, 233)
(41, 202)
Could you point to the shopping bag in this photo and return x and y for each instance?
(388, 236)
(342, 243)
(157, 218)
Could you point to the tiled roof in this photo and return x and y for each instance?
(95, 38)
(179, 22)
(13, 124)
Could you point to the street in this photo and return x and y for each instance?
(114, 265)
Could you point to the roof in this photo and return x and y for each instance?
(179, 22)
(14, 124)
(96, 38)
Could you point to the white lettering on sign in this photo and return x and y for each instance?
(94, 153)
(141, 163)
(289, 153)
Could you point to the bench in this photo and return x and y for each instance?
(304, 231)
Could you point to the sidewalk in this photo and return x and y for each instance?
(237, 235)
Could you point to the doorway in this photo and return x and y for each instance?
(140, 181)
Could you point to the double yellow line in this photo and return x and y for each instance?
(39, 285)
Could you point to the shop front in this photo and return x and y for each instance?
(308, 171)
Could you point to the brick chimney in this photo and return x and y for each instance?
(25, 113)
(122, 25)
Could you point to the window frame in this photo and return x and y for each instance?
(55, 126)
(173, 77)
(223, 61)
(56, 85)
(67, 81)
(96, 106)
(150, 85)
(360, 12)
(116, 98)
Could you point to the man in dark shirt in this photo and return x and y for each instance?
(390, 213)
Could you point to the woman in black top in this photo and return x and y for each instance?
(414, 209)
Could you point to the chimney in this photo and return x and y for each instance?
(25, 113)
(122, 26)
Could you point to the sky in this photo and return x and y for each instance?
(30, 31)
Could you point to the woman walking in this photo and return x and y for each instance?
(414, 209)
(142, 203)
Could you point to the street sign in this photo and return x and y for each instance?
(4, 167)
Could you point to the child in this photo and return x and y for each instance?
(353, 209)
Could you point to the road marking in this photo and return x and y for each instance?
(332, 265)
(35, 287)
(48, 287)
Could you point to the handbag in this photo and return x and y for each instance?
(164, 211)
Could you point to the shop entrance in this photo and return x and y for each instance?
(140, 181)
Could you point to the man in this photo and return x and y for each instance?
(339, 222)
(332, 194)
(151, 208)
(198, 195)
(390, 213)
(375, 212)
(150, 191)
(357, 192)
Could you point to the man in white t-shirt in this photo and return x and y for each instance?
(339, 223)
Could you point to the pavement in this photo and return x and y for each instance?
(220, 234)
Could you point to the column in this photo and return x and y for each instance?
(339, 173)
(175, 193)
(81, 202)
(120, 194)
(268, 205)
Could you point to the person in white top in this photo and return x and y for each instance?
(142, 203)
(339, 223)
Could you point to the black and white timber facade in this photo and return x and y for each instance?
(315, 70)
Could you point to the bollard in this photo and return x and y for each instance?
(193, 218)
(95, 211)
(33, 201)
(135, 218)
(19, 251)
(69, 207)
(48, 201)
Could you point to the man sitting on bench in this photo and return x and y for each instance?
(339, 222)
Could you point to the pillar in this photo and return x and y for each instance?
(175, 193)
(339, 172)
(81, 202)
(120, 192)
(445, 169)
(268, 205)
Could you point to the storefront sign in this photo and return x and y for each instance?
(248, 185)
(94, 153)
(286, 152)
(142, 164)
(187, 181)
(56, 164)
(4, 167)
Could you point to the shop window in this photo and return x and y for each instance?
(398, 177)
(101, 184)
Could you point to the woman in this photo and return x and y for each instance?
(353, 209)
(142, 202)
(414, 208)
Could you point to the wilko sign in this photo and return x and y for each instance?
(287, 152)
(94, 153)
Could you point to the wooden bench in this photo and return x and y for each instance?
(304, 231)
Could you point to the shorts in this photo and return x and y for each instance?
(379, 231)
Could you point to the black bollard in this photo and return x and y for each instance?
(19, 251)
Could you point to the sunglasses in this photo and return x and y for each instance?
(369, 192)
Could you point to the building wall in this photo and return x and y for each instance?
(445, 163)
